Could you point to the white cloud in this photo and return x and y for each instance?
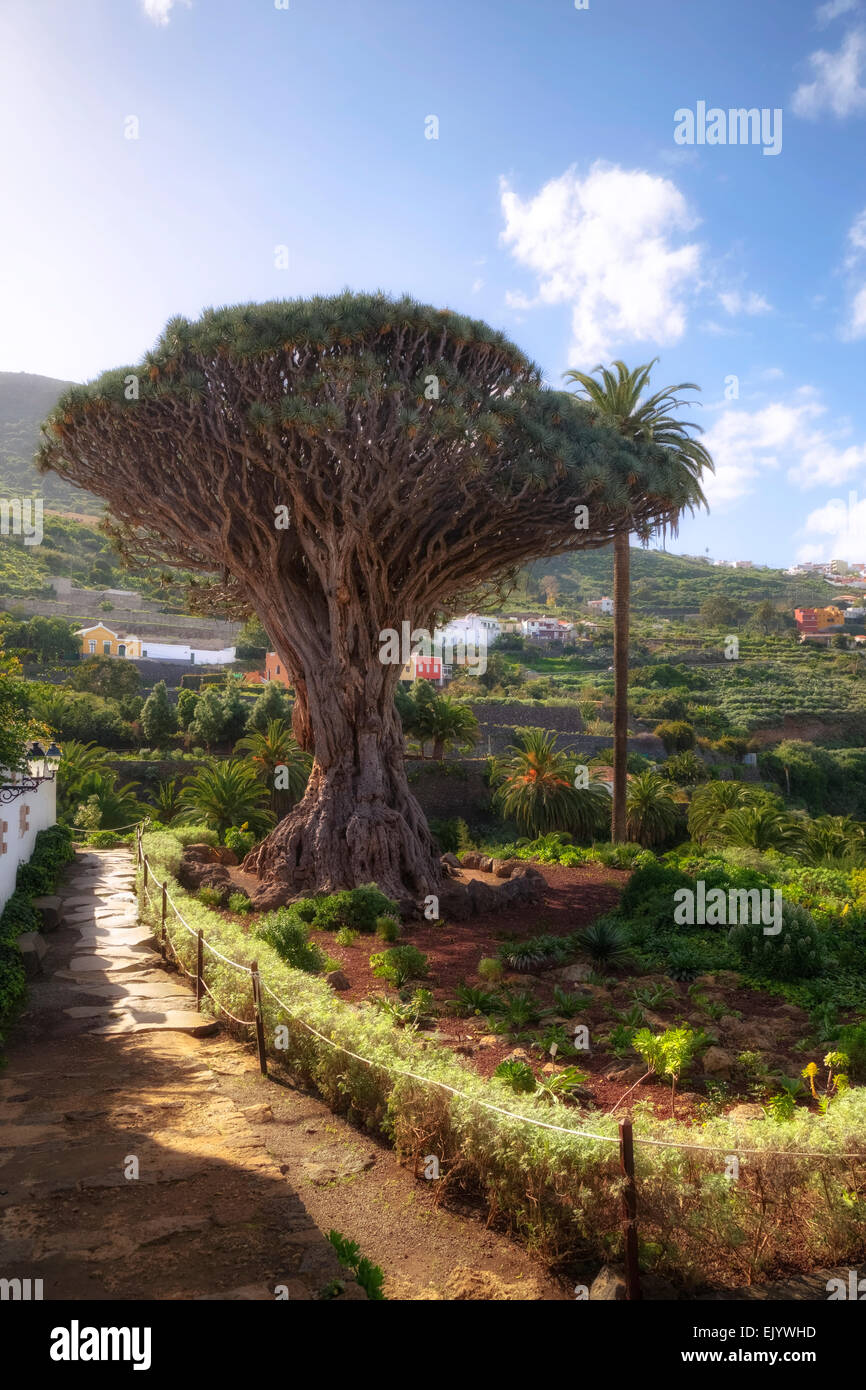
(735, 302)
(611, 246)
(160, 10)
(745, 444)
(837, 86)
(855, 325)
(477, 284)
(833, 9)
(843, 524)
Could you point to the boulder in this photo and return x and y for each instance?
(472, 859)
(455, 903)
(450, 859)
(627, 1076)
(338, 980)
(746, 1111)
(33, 951)
(224, 855)
(503, 867)
(719, 1064)
(269, 896)
(608, 1285)
(51, 909)
(201, 854)
(484, 897)
(198, 873)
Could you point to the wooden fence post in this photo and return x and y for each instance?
(138, 844)
(260, 1023)
(163, 910)
(144, 863)
(629, 1210)
(199, 968)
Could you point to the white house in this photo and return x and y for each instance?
(475, 629)
(547, 629)
(22, 816)
(601, 605)
(177, 651)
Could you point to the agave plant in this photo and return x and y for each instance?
(605, 943)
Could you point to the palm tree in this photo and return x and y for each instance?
(709, 806)
(535, 787)
(224, 793)
(617, 399)
(652, 808)
(166, 800)
(761, 827)
(118, 806)
(445, 721)
(77, 761)
(833, 838)
(277, 748)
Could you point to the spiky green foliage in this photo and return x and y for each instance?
(534, 784)
(224, 794)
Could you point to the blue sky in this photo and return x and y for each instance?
(555, 202)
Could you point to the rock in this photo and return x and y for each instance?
(201, 854)
(718, 1063)
(524, 870)
(572, 974)
(608, 1285)
(33, 951)
(338, 980)
(505, 866)
(224, 855)
(51, 908)
(746, 1112)
(455, 902)
(489, 1040)
(450, 859)
(627, 1075)
(753, 1036)
(258, 1114)
(472, 859)
(519, 1054)
(271, 895)
(484, 897)
(195, 874)
(495, 866)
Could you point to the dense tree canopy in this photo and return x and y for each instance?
(346, 465)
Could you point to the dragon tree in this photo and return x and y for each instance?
(342, 465)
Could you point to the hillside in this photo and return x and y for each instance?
(668, 586)
(25, 400)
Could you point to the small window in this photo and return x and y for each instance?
(106, 647)
(92, 646)
(121, 649)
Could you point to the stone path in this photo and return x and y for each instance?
(125, 1173)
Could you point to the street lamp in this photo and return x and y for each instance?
(36, 761)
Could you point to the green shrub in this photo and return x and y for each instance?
(290, 938)
(516, 1074)
(852, 1040)
(211, 897)
(490, 969)
(605, 943)
(353, 907)
(399, 964)
(388, 928)
(104, 839)
(796, 953)
(239, 902)
(239, 841)
(347, 936)
(369, 1276)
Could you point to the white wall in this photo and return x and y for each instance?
(41, 813)
(176, 651)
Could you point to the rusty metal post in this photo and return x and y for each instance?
(629, 1210)
(260, 1022)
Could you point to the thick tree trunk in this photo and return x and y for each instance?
(357, 822)
(621, 601)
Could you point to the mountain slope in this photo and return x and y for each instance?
(25, 400)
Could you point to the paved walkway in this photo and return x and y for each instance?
(125, 1173)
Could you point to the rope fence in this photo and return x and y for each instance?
(625, 1139)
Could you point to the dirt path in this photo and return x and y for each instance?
(239, 1178)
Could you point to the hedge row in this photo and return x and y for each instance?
(52, 849)
(558, 1190)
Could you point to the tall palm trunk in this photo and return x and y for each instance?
(621, 599)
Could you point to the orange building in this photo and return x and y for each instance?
(818, 619)
(275, 670)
